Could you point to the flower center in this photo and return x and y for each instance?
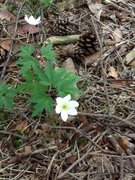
(65, 107)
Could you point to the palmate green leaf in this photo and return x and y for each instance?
(26, 51)
(47, 3)
(32, 84)
(7, 95)
(63, 75)
(48, 53)
(49, 72)
(27, 63)
(66, 89)
(42, 102)
(65, 81)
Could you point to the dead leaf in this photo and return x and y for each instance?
(22, 126)
(130, 57)
(132, 63)
(119, 84)
(123, 142)
(112, 72)
(69, 65)
(117, 34)
(5, 44)
(5, 14)
(23, 29)
(27, 149)
(115, 144)
(71, 159)
(92, 58)
(95, 7)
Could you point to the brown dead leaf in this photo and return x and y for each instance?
(120, 83)
(124, 84)
(132, 63)
(117, 34)
(5, 44)
(112, 72)
(24, 150)
(115, 144)
(23, 29)
(130, 57)
(71, 159)
(5, 14)
(92, 58)
(27, 149)
(22, 126)
(69, 65)
(123, 142)
(95, 7)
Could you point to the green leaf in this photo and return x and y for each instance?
(42, 102)
(47, 2)
(65, 81)
(26, 51)
(48, 53)
(27, 64)
(50, 73)
(7, 94)
(32, 84)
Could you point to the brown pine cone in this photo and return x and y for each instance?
(88, 42)
(78, 55)
(61, 27)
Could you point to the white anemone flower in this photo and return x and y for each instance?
(66, 107)
(32, 21)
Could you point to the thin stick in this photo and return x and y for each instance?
(102, 67)
(110, 117)
(12, 42)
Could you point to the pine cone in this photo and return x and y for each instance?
(74, 52)
(78, 55)
(61, 27)
(88, 42)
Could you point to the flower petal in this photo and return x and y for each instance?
(26, 18)
(58, 109)
(64, 116)
(38, 19)
(73, 103)
(59, 100)
(32, 21)
(72, 112)
(67, 98)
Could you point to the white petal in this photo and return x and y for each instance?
(64, 116)
(72, 112)
(59, 100)
(26, 18)
(57, 109)
(67, 98)
(73, 104)
(38, 19)
(31, 19)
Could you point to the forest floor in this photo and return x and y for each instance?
(98, 143)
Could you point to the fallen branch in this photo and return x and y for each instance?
(62, 39)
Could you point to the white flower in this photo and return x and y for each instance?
(32, 21)
(66, 107)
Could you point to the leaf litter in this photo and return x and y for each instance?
(99, 143)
